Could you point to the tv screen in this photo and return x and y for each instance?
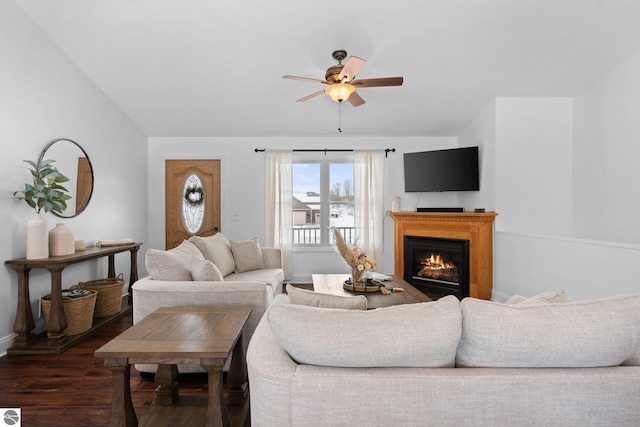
(454, 169)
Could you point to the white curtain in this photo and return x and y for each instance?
(279, 205)
(368, 174)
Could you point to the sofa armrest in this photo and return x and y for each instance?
(271, 371)
(149, 295)
(272, 257)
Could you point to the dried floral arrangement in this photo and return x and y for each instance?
(354, 257)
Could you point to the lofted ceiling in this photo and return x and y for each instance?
(215, 67)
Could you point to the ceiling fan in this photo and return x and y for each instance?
(341, 80)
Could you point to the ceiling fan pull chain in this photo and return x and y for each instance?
(340, 116)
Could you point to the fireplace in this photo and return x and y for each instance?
(437, 266)
(474, 227)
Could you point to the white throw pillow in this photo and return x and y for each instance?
(316, 299)
(173, 264)
(216, 249)
(543, 298)
(588, 333)
(408, 335)
(247, 255)
(515, 299)
(205, 270)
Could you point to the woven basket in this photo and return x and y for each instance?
(78, 312)
(109, 301)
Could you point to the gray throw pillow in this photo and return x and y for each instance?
(173, 264)
(247, 255)
(216, 249)
(315, 299)
(205, 270)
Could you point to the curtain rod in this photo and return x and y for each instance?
(326, 150)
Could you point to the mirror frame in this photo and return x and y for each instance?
(42, 157)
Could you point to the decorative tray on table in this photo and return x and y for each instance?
(372, 286)
(361, 287)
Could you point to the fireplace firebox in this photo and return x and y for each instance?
(437, 266)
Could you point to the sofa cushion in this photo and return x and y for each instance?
(408, 335)
(316, 299)
(173, 264)
(247, 255)
(588, 333)
(543, 298)
(271, 277)
(216, 249)
(205, 270)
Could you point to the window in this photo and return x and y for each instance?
(192, 204)
(323, 195)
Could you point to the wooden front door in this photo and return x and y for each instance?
(192, 204)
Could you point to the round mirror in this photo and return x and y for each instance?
(73, 162)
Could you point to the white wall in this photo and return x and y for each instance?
(242, 173)
(481, 132)
(566, 175)
(533, 160)
(607, 156)
(46, 97)
(529, 264)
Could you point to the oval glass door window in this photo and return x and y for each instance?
(192, 204)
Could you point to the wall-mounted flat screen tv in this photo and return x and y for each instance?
(454, 169)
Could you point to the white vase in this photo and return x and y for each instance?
(61, 241)
(37, 238)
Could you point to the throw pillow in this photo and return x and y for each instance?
(515, 299)
(408, 335)
(315, 299)
(589, 333)
(247, 255)
(543, 298)
(216, 249)
(205, 270)
(173, 264)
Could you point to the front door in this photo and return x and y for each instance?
(192, 199)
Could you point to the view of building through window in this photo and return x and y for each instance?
(323, 195)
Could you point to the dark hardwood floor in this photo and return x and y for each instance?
(74, 388)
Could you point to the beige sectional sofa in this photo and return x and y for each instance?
(448, 363)
(209, 271)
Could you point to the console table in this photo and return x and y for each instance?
(56, 340)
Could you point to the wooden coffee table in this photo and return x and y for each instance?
(207, 336)
(332, 284)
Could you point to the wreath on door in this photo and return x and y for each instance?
(194, 195)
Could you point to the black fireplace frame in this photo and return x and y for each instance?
(434, 288)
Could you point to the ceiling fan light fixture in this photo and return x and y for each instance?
(339, 91)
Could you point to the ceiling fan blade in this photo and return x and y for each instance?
(313, 95)
(351, 68)
(355, 99)
(384, 81)
(304, 79)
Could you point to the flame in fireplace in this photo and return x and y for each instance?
(435, 267)
(435, 262)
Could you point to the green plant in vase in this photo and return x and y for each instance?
(46, 192)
